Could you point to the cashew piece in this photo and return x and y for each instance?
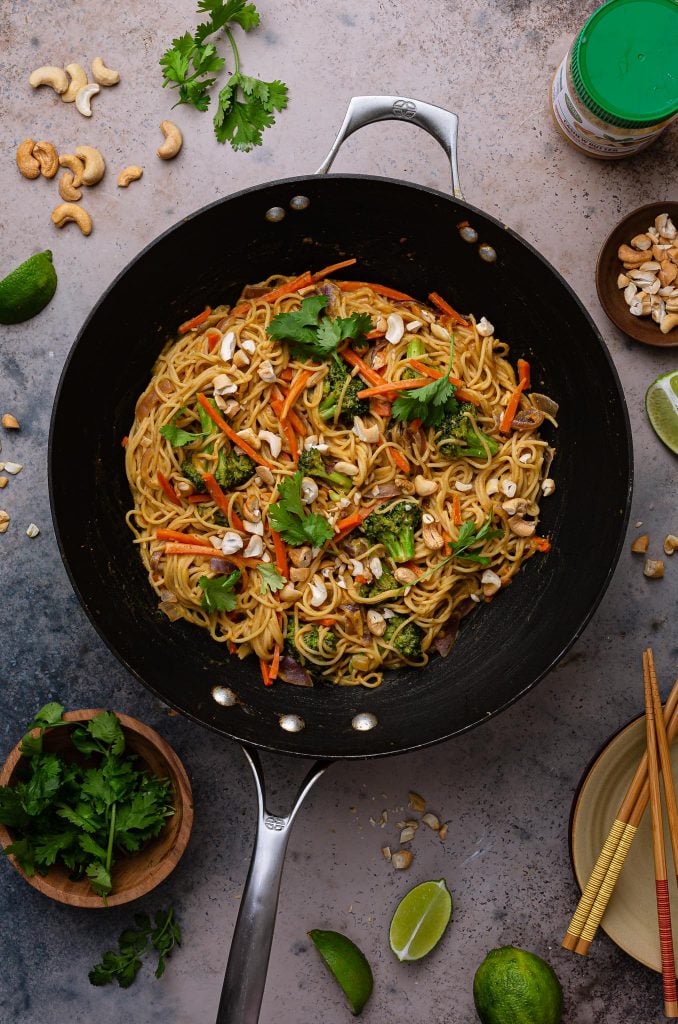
(84, 98)
(78, 81)
(55, 78)
(67, 188)
(95, 164)
(132, 173)
(75, 165)
(668, 323)
(47, 157)
(25, 161)
(173, 140)
(102, 74)
(69, 212)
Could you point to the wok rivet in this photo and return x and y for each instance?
(487, 253)
(222, 695)
(291, 723)
(299, 203)
(364, 721)
(275, 214)
(468, 233)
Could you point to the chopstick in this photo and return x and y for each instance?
(661, 879)
(602, 880)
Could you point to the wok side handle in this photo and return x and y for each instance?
(245, 979)
(442, 124)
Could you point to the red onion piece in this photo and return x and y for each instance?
(291, 671)
(544, 403)
(444, 642)
(221, 565)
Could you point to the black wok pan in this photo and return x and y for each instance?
(406, 236)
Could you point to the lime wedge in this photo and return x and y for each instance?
(661, 405)
(348, 965)
(420, 919)
(27, 289)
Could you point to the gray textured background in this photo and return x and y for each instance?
(506, 788)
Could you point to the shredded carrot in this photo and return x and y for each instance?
(174, 548)
(231, 434)
(288, 429)
(182, 538)
(361, 579)
(466, 396)
(197, 499)
(394, 385)
(296, 423)
(414, 425)
(125, 441)
(365, 371)
(303, 281)
(265, 673)
(298, 385)
(281, 563)
(355, 519)
(236, 521)
(380, 289)
(400, 461)
(287, 374)
(213, 340)
(456, 509)
(440, 302)
(168, 489)
(320, 274)
(380, 407)
(189, 325)
(329, 622)
(232, 648)
(541, 544)
(524, 373)
(216, 493)
(275, 664)
(511, 409)
(376, 333)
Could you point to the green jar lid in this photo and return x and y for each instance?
(625, 62)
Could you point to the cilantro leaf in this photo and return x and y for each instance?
(271, 579)
(309, 335)
(99, 878)
(123, 965)
(291, 520)
(242, 121)
(177, 436)
(47, 717)
(470, 536)
(218, 595)
(164, 937)
(185, 65)
(106, 727)
(240, 11)
(430, 403)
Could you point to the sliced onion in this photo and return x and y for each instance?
(544, 403)
(291, 671)
(390, 490)
(147, 404)
(549, 456)
(171, 609)
(444, 642)
(156, 558)
(527, 419)
(221, 565)
(167, 597)
(334, 297)
(254, 291)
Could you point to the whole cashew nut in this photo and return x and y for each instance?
(74, 164)
(174, 140)
(78, 81)
(69, 212)
(25, 161)
(84, 99)
(102, 74)
(55, 78)
(48, 158)
(132, 173)
(95, 165)
(67, 188)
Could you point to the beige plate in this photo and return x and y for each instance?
(631, 917)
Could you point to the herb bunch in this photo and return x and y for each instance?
(309, 332)
(245, 106)
(122, 965)
(82, 815)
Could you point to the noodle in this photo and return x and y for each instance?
(435, 588)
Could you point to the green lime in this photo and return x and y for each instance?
(420, 919)
(27, 289)
(513, 986)
(661, 405)
(348, 965)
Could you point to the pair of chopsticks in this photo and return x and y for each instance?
(644, 789)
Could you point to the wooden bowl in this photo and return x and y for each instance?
(609, 266)
(134, 874)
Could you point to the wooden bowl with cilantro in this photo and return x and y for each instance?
(95, 807)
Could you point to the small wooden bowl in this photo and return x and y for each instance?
(134, 874)
(609, 266)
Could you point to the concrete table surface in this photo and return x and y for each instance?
(506, 788)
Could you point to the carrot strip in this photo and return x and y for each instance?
(197, 499)
(376, 333)
(296, 423)
(287, 374)
(541, 544)
(189, 325)
(232, 648)
(282, 565)
(174, 548)
(380, 289)
(466, 396)
(303, 281)
(264, 672)
(355, 519)
(365, 371)
(212, 341)
(414, 426)
(216, 493)
(231, 434)
(182, 537)
(456, 509)
(298, 385)
(329, 622)
(125, 441)
(511, 409)
(319, 274)
(524, 373)
(394, 385)
(236, 521)
(380, 407)
(288, 429)
(400, 461)
(275, 664)
(440, 302)
(168, 489)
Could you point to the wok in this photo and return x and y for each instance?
(406, 236)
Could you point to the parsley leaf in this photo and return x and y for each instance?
(291, 520)
(308, 335)
(124, 964)
(470, 536)
(218, 595)
(242, 121)
(185, 65)
(177, 436)
(431, 402)
(270, 577)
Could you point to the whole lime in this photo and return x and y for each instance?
(512, 986)
(27, 289)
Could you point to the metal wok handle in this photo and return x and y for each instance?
(441, 124)
(245, 979)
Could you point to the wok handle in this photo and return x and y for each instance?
(440, 123)
(243, 988)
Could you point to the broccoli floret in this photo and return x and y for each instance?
(386, 581)
(311, 639)
(233, 469)
(457, 438)
(311, 464)
(333, 386)
(408, 640)
(395, 528)
(192, 473)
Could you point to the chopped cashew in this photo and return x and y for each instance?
(67, 189)
(173, 141)
(55, 78)
(653, 568)
(670, 544)
(95, 165)
(309, 490)
(75, 165)
(78, 77)
(102, 74)
(131, 173)
(25, 161)
(424, 487)
(70, 212)
(395, 328)
(10, 422)
(318, 592)
(376, 623)
(484, 328)
(668, 323)
(47, 157)
(84, 99)
(640, 544)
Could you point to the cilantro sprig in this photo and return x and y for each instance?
(470, 536)
(310, 334)
(246, 106)
(430, 403)
(218, 593)
(271, 579)
(291, 520)
(123, 965)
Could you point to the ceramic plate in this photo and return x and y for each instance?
(631, 917)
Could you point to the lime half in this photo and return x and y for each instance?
(348, 965)
(27, 289)
(661, 405)
(420, 919)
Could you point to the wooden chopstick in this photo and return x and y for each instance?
(664, 760)
(602, 880)
(660, 873)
